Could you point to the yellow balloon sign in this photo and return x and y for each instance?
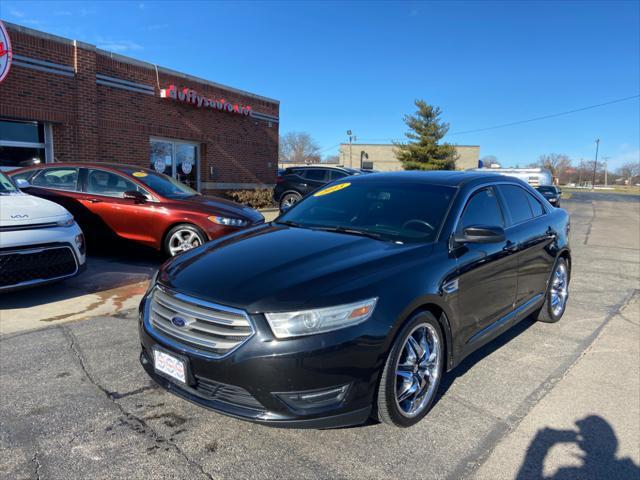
(329, 190)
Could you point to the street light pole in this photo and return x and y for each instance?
(352, 137)
(595, 165)
(606, 170)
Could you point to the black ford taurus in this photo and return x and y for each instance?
(356, 301)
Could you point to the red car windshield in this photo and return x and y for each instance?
(162, 184)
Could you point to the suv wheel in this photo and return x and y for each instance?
(557, 294)
(288, 200)
(181, 238)
(412, 373)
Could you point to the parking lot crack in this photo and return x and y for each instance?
(134, 422)
(37, 464)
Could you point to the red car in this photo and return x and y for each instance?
(136, 204)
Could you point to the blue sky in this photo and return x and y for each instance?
(336, 66)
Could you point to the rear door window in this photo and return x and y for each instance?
(336, 174)
(536, 206)
(482, 209)
(318, 175)
(57, 179)
(517, 203)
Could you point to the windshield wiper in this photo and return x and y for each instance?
(290, 223)
(351, 231)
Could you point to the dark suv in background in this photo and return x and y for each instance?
(295, 182)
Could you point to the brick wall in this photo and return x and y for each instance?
(100, 123)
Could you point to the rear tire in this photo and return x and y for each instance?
(411, 376)
(288, 200)
(555, 302)
(181, 238)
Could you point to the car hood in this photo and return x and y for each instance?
(278, 268)
(21, 209)
(221, 206)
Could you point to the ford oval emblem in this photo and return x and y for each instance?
(179, 321)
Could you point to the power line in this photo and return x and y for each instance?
(544, 117)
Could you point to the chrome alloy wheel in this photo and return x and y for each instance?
(417, 370)
(290, 200)
(559, 289)
(183, 240)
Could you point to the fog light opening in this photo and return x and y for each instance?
(80, 243)
(315, 399)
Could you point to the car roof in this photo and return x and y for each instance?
(123, 168)
(453, 178)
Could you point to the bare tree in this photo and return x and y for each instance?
(558, 163)
(629, 171)
(298, 147)
(489, 160)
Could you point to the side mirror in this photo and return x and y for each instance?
(138, 197)
(284, 208)
(480, 234)
(22, 183)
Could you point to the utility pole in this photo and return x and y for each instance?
(595, 165)
(606, 170)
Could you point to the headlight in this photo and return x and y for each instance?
(308, 322)
(66, 223)
(228, 221)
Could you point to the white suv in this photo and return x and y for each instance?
(39, 240)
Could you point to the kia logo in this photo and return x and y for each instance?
(179, 321)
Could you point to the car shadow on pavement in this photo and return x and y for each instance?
(483, 352)
(599, 444)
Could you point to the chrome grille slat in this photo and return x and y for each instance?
(197, 324)
(212, 315)
(207, 327)
(187, 334)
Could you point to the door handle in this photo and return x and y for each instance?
(304, 185)
(94, 200)
(510, 247)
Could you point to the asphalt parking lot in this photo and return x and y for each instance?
(75, 403)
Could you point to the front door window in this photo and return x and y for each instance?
(176, 159)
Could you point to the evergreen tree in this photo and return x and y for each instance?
(422, 151)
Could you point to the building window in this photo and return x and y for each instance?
(24, 143)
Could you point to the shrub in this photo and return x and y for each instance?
(258, 198)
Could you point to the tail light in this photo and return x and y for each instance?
(279, 179)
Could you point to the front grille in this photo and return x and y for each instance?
(226, 393)
(196, 323)
(33, 265)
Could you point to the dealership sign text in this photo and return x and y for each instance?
(187, 95)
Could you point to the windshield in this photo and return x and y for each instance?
(163, 184)
(402, 212)
(547, 189)
(6, 186)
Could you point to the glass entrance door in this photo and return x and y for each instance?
(177, 159)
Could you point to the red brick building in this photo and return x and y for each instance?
(65, 100)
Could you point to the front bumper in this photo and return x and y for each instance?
(245, 384)
(40, 241)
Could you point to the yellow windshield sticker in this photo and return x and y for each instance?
(140, 174)
(329, 190)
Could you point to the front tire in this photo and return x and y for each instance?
(557, 294)
(412, 373)
(181, 238)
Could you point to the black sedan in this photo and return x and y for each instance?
(551, 193)
(357, 300)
